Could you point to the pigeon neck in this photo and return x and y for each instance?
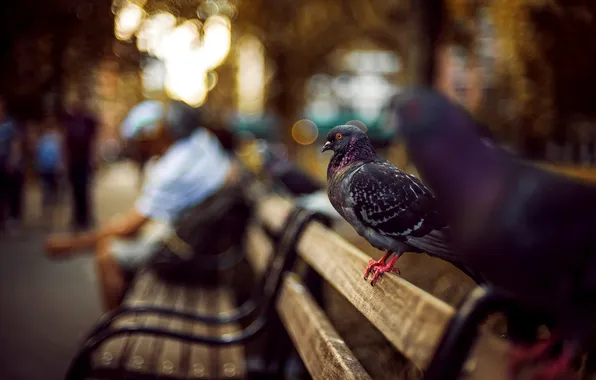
(358, 150)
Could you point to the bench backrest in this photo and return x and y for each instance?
(412, 320)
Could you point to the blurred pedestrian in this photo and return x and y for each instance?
(11, 170)
(49, 164)
(192, 168)
(80, 126)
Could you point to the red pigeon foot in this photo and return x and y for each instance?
(373, 264)
(385, 268)
(559, 368)
(523, 355)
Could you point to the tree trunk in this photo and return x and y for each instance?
(288, 100)
(429, 19)
(57, 79)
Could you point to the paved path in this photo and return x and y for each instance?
(46, 308)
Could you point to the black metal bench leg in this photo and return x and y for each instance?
(455, 345)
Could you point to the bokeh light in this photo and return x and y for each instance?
(250, 77)
(188, 49)
(206, 9)
(305, 132)
(151, 35)
(216, 40)
(180, 41)
(212, 79)
(359, 124)
(185, 81)
(128, 20)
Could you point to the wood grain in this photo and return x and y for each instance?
(231, 362)
(411, 319)
(141, 358)
(258, 249)
(170, 360)
(325, 354)
(109, 354)
(202, 359)
(323, 351)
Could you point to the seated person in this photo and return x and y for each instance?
(191, 167)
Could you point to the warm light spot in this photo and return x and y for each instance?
(206, 9)
(180, 41)
(250, 77)
(151, 35)
(128, 20)
(212, 79)
(186, 81)
(305, 132)
(359, 124)
(217, 40)
(152, 77)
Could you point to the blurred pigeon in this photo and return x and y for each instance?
(391, 209)
(295, 180)
(530, 231)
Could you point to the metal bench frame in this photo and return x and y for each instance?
(263, 301)
(462, 332)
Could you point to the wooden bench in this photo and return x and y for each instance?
(168, 330)
(412, 320)
(147, 355)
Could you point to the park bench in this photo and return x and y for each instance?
(178, 331)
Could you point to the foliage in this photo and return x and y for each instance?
(548, 50)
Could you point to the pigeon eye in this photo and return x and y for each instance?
(339, 136)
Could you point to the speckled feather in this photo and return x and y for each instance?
(393, 210)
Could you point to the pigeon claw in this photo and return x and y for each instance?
(520, 356)
(371, 267)
(379, 272)
(558, 369)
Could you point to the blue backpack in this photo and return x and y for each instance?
(48, 153)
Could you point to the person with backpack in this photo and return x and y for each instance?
(192, 169)
(49, 163)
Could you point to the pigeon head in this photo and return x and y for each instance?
(350, 145)
(339, 138)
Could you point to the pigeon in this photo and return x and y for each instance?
(391, 209)
(528, 230)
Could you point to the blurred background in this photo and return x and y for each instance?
(280, 71)
(288, 71)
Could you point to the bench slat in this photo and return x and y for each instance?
(231, 359)
(141, 358)
(411, 319)
(202, 358)
(109, 354)
(170, 360)
(324, 352)
(258, 249)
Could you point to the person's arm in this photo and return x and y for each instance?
(125, 225)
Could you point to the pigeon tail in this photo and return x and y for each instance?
(436, 243)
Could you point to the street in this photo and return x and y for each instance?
(49, 307)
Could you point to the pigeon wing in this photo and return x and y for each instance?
(398, 205)
(391, 202)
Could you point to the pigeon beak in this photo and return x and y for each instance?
(326, 147)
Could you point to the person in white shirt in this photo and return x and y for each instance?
(192, 166)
